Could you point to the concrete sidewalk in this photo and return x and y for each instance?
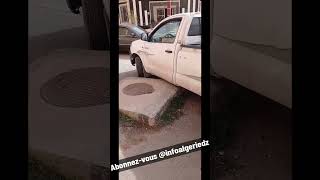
(145, 99)
(80, 133)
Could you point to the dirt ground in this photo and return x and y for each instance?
(135, 139)
(258, 145)
(186, 127)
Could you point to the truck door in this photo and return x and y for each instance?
(188, 70)
(160, 49)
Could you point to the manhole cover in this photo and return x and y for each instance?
(78, 88)
(138, 89)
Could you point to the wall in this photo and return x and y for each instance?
(145, 6)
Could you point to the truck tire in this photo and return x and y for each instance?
(139, 66)
(94, 20)
(140, 69)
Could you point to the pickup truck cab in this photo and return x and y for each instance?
(171, 51)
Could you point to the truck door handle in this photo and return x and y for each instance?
(168, 51)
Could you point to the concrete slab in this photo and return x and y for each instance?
(80, 133)
(145, 99)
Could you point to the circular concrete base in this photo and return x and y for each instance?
(137, 89)
(78, 88)
(144, 99)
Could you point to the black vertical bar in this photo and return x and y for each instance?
(114, 79)
(205, 84)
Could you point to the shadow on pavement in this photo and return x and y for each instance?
(258, 145)
(70, 38)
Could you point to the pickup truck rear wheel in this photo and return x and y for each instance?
(94, 19)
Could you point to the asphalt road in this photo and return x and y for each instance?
(46, 16)
(258, 142)
(52, 26)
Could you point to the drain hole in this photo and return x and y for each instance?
(137, 89)
(78, 88)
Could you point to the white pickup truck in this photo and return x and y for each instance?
(171, 51)
(251, 45)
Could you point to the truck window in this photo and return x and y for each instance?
(167, 32)
(195, 27)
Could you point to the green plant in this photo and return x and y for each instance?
(174, 110)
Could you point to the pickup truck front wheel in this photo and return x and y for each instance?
(94, 19)
(140, 69)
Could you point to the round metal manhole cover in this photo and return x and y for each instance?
(78, 88)
(137, 89)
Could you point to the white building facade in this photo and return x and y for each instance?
(149, 12)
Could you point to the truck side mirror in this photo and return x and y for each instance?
(144, 37)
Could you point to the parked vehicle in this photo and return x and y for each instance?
(254, 51)
(127, 34)
(171, 51)
(96, 15)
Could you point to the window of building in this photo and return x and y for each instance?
(160, 14)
